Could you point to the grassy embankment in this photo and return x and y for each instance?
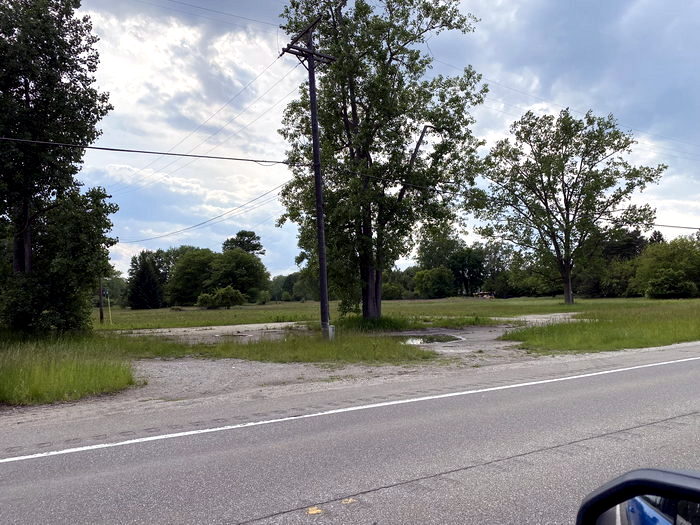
(615, 325)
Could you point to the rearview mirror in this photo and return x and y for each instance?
(641, 497)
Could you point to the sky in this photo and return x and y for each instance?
(204, 77)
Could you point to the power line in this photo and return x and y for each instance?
(199, 126)
(221, 128)
(199, 224)
(458, 194)
(200, 15)
(262, 162)
(224, 13)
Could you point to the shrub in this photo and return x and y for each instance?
(205, 300)
(228, 297)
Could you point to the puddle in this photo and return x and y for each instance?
(427, 339)
(250, 337)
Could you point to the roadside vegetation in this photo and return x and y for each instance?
(44, 370)
(615, 325)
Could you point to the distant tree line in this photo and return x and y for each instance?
(618, 263)
(188, 276)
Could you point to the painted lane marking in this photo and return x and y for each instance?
(338, 411)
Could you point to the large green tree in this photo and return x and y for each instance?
(47, 93)
(145, 285)
(190, 276)
(559, 181)
(241, 270)
(388, 131)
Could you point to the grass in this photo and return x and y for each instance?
(617, 325)
(346, 348)
(125, 319)
(444, 313)
(34, 371)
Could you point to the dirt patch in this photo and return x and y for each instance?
(240, 333)
(473, 346)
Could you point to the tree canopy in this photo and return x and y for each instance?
(558, 182)
(47, 94)
(388, 131)
(247, 241)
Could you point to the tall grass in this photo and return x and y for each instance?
(34, 371)
(637, 324)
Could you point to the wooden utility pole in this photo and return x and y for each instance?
(101, 303)
(309, 54)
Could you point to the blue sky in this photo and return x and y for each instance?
(198, 80)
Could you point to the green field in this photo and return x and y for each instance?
(125, 319)
(615, 325)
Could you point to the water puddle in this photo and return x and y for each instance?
(428, 339)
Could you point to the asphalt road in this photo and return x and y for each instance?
(515, 445)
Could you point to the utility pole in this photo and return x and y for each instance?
(309, 54)
(101, 303)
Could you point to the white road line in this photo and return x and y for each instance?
(336, 411)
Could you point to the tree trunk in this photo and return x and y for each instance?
(372, 294)
(22, 249)
(568, 291)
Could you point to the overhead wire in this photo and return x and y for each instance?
(207, 221)
(210, 136)
(458, 194)
(262, 162)
(221, 108)
(218, 19)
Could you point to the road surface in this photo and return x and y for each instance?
(518, 444)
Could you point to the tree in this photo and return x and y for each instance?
(228, 297)
(561, 180)
(435, 283)
(387, 133)
(191, 276)
(242, 270)
(246, 241)
(277, 287)
(663, 261)
(656, 237)
(440, 246)
(145, 289)
(437, 244)
(47, 94)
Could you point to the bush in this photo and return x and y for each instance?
(670, 284)
(228, 297)
(205, 300)
(286, 296)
